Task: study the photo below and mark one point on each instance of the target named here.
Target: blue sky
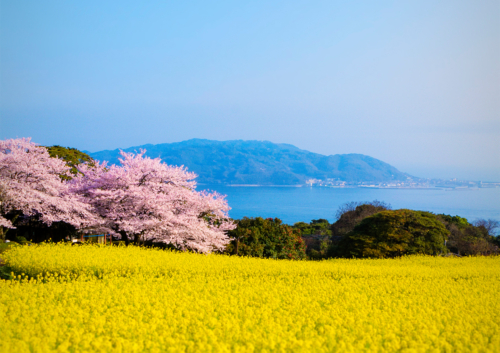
(413, 83)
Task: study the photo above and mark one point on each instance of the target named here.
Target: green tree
(268, 238)
(316, 236)
(316, 226)
(352, 213)
(71, 156)
(395, 233)
(477, 238)
(458, 221)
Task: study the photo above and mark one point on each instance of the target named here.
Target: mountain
(262, 162)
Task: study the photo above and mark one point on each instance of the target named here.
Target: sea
(303, 204)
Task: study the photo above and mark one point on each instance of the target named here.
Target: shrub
(470, 239)
(395, 233)
(352, 213)
(269, 238)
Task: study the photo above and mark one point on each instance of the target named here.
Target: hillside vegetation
(262, 162)
(374, 230)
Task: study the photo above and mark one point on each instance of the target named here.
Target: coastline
(446, 188)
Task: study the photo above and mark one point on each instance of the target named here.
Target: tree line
(57, 192)
(366, 230)
(374, 230)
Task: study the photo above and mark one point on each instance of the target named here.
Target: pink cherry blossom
(30, 182)
(145, 199)
(6, 223)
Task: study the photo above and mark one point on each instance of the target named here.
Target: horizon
(413, 84)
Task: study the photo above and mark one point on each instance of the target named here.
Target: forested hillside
(262, 162)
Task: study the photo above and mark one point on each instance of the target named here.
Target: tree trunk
(124, 236)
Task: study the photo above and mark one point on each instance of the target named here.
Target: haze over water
(296, 204)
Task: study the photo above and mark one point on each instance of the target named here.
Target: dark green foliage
(5, 272)
(269, 238)
(316, 227)
(496, 240)
(71, 156)
(317, 248)
(352, 213)
(22, 240)
(394, 233)
(465, 238)
(316, 236)
(321, 237)
(458, 221)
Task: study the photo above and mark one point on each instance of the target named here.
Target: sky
(413, 83)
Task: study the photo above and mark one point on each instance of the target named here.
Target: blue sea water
(295, 204)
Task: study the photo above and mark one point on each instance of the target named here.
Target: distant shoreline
(256, 185)
(355, 187)
(274, 186)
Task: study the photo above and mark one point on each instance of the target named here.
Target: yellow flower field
(97, 298)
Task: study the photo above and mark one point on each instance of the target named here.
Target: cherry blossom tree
(31, 184)
(145, 199)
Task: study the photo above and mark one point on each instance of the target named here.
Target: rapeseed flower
(130, 299)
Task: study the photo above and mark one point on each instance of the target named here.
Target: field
(97, 298)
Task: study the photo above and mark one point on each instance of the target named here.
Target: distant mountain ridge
(262, 163)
